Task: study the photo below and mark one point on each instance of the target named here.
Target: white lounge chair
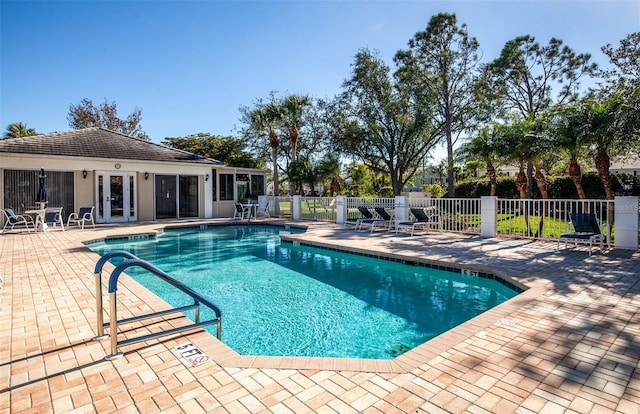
(385, 219)
(423, 221)
(84, 215)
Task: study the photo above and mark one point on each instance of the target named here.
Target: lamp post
(627, 186)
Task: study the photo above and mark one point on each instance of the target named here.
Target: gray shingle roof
(99, 143)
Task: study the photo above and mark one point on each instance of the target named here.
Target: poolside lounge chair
(586, 228)
(385, 219)
(13, 219)
(84, 215)
(241, 212)
(373, 221)
(53, 216)
(366, 214)
(422, 221)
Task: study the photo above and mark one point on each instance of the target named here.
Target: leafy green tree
(299, 172)
(529, 78)
(228, 150)
(442, 61)
(625, 60)
(436, 190)
(360, 179)
(18, 129)
(105, 115)
(386, 124)
(329, 169)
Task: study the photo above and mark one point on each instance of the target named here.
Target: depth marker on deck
(191, 354)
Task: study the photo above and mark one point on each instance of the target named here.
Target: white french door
(116, 197)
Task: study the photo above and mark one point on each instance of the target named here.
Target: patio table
(253, 209)
(38, 219)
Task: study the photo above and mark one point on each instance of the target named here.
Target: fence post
(488, 216)
(626, 223)
(401, 208)
(341, 209)
(296, 203)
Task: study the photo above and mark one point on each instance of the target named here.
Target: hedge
(559, 187)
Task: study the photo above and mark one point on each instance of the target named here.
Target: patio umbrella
(247, 195)
(42, 188)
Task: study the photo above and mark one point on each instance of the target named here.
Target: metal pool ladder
(131, 260)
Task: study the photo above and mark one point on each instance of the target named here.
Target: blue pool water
(286, 300)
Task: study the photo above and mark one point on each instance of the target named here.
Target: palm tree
(566, 126)
(602, 133)
(298, 173)
(265, 118)
(329, 169)
(292, 110)
(517, 145)
(18, 129)
(482, 147)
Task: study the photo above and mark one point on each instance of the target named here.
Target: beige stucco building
(125, 178)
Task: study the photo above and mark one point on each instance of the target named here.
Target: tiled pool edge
(228, 358)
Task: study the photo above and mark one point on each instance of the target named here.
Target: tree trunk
(541, 181)
(575, 173)
(396, 180)
(491, 173)
(276, 181)
(602, 165)
(273, 142)
(295, 137)
(521, 185)
(450, 178)
(529, 179)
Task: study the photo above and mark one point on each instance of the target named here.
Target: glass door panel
(116, 197)
(188, 201)
(166, 196)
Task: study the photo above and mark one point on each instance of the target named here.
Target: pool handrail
(113, 288)
(97, 272)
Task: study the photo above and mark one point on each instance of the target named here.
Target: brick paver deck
(570, 343)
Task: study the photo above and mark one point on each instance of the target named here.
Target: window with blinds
(21, 190)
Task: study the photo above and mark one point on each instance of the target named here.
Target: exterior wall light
(84, 174)
(146, 175)
(627, 186)
(206, 177)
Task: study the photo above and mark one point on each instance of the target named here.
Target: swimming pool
(279, 299)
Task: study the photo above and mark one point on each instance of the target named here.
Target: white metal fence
(371, 203)
(534, 219)
(281, 207)
(318, 208)
(459, 215)
(546, 219)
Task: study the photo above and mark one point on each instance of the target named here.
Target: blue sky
(189, 65)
